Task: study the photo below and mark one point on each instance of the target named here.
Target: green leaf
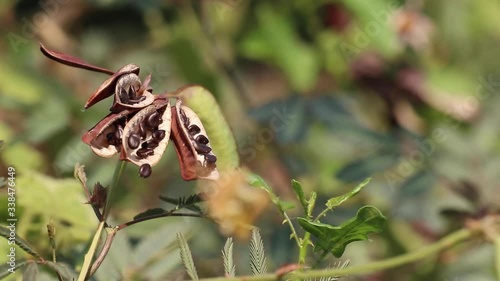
(336, 201)
(276, 40)
(297, 188)
(62, 270)
(31, 272)
(187, 203)
(334, 239)
(187, 258)
(6, 233)
(149, 212)
(6, 269)
(257, 181)
(258, 261)
(227, 257)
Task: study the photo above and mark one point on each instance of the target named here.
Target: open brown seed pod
(146, 135)
(105, 138)
(108, 87)
(131, 93)
(192, 145)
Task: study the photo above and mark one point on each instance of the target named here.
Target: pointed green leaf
(6, 269)
(258, 261)
(149, 212)
(31, 272)
(336, 201)
(334, 239)
(257, 181)
(6, 233)
(297, 188)
(227, 257)
(63, 270)
(187, 258)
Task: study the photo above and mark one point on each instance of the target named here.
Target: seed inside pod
(159, 135)
(194, 130)
(134, 140)
(210, 158)
(145, 170)
(202, 139)
(154, 120)
(146, 134)
(105, 138)
(202, 148)
(192, 145)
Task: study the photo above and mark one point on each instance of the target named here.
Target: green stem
(496, 241)
(446, 242)
(303, 248)
(87, 262)
(109, 197)
(292, 228)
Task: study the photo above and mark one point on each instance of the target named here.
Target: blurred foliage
(328, 92)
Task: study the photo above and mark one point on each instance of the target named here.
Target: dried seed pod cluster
(140, 124)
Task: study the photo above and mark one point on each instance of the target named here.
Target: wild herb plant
(138, 130)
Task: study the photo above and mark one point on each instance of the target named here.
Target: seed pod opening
(146, 135)
(192, 145)
(105, 138)
(131, 93)
(107, 88)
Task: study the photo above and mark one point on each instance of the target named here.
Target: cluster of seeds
(199, 140)
(139, 125)
(115, 137)
(130, 96)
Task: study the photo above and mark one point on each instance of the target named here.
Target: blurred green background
(325, 92)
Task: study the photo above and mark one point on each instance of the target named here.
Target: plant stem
(97, 236)
(303, 248)
(109, 197)
(292, 228)
(446, 242)
(90, 254)
(167, 214)
(496, 241)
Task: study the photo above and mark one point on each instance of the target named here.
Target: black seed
(159, 134)
(118, 135)
(154, 119)
(145, 170)
(124, 96)
(210, 158)
(131, 93)
(184, 118)
(142, 153)
(152, 143)
(202, 139)
(134, 140)
(142, 130)
(202, 148)
(110, 137)
(194, 130)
